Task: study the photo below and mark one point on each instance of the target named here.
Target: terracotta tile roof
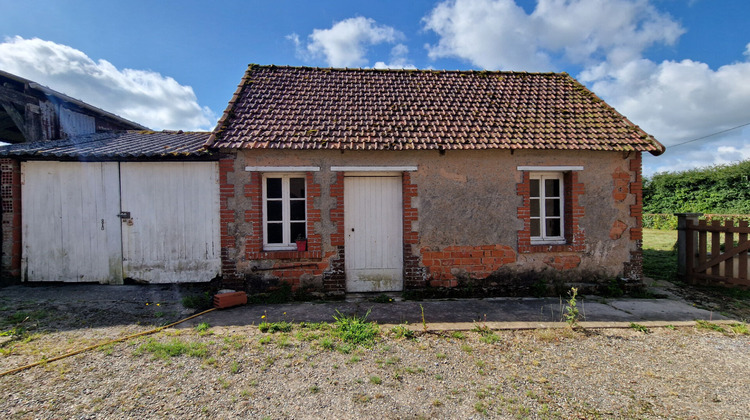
(117, 145)
(355, 109)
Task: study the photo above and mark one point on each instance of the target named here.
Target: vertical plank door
(172, 234)
(374, 229)
(70, 229)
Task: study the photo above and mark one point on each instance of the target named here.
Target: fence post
(682, 250)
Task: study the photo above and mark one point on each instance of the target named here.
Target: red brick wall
(414, 275)
(636, 189)
(10, 191)
(574, 211)
(634, 268)
(478, 261)
(226, 222)
(335, 279)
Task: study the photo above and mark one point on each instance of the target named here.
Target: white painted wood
(74, 123)
(70, 231)
(373, 224)
(282, 168)
(550, 168)
(373, 168)
(173, 233)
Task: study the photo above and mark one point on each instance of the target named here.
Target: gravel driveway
(309, 372)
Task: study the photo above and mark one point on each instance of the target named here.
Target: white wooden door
(172, 234)
(70, 230)
(374, 225)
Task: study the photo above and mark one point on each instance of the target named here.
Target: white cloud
(498, 34)
(398, 59)
(345, 43)
(727, 149)
(678, 101)
(143, 96)
(675, 101)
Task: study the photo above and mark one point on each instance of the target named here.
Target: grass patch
(705, 325)
(272, 327)
(740, 328)
(202, 328)
(355, 330)
(173, 348)
(660, 254)
(640, 328)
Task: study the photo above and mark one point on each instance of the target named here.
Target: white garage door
(71, 231)
(173, 230)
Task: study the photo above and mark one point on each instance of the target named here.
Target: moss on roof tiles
(379, 106)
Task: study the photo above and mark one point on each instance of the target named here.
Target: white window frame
(289, 243)
(543, 238)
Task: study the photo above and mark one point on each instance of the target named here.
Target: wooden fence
(713, 252)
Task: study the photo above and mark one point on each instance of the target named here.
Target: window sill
(548, 242)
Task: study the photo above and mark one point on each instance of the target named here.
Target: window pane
(534, 188)
(535, 227)
(551, 187)
(273, 187)
(553, 227)
(298, 230)
(552, 207)
(297, 187)
(275, 233)
(273, 210)
(297, 208)
(534, 208)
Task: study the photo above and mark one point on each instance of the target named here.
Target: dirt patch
(732, 303)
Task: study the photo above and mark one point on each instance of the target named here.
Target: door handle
(124, 215)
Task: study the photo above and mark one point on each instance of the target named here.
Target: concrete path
(438, 314)
(521, 312)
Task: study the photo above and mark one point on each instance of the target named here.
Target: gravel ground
(309, 373)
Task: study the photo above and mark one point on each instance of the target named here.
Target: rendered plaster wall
(466, 201)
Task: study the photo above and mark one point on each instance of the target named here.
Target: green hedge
(720, 189)
(668, 221)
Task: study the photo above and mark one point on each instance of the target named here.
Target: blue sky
(678, 68)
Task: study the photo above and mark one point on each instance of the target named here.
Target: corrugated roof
(356, 109)
(116, 145)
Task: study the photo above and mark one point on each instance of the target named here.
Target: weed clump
(355, 330)
(272, 327)
(572, 314)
